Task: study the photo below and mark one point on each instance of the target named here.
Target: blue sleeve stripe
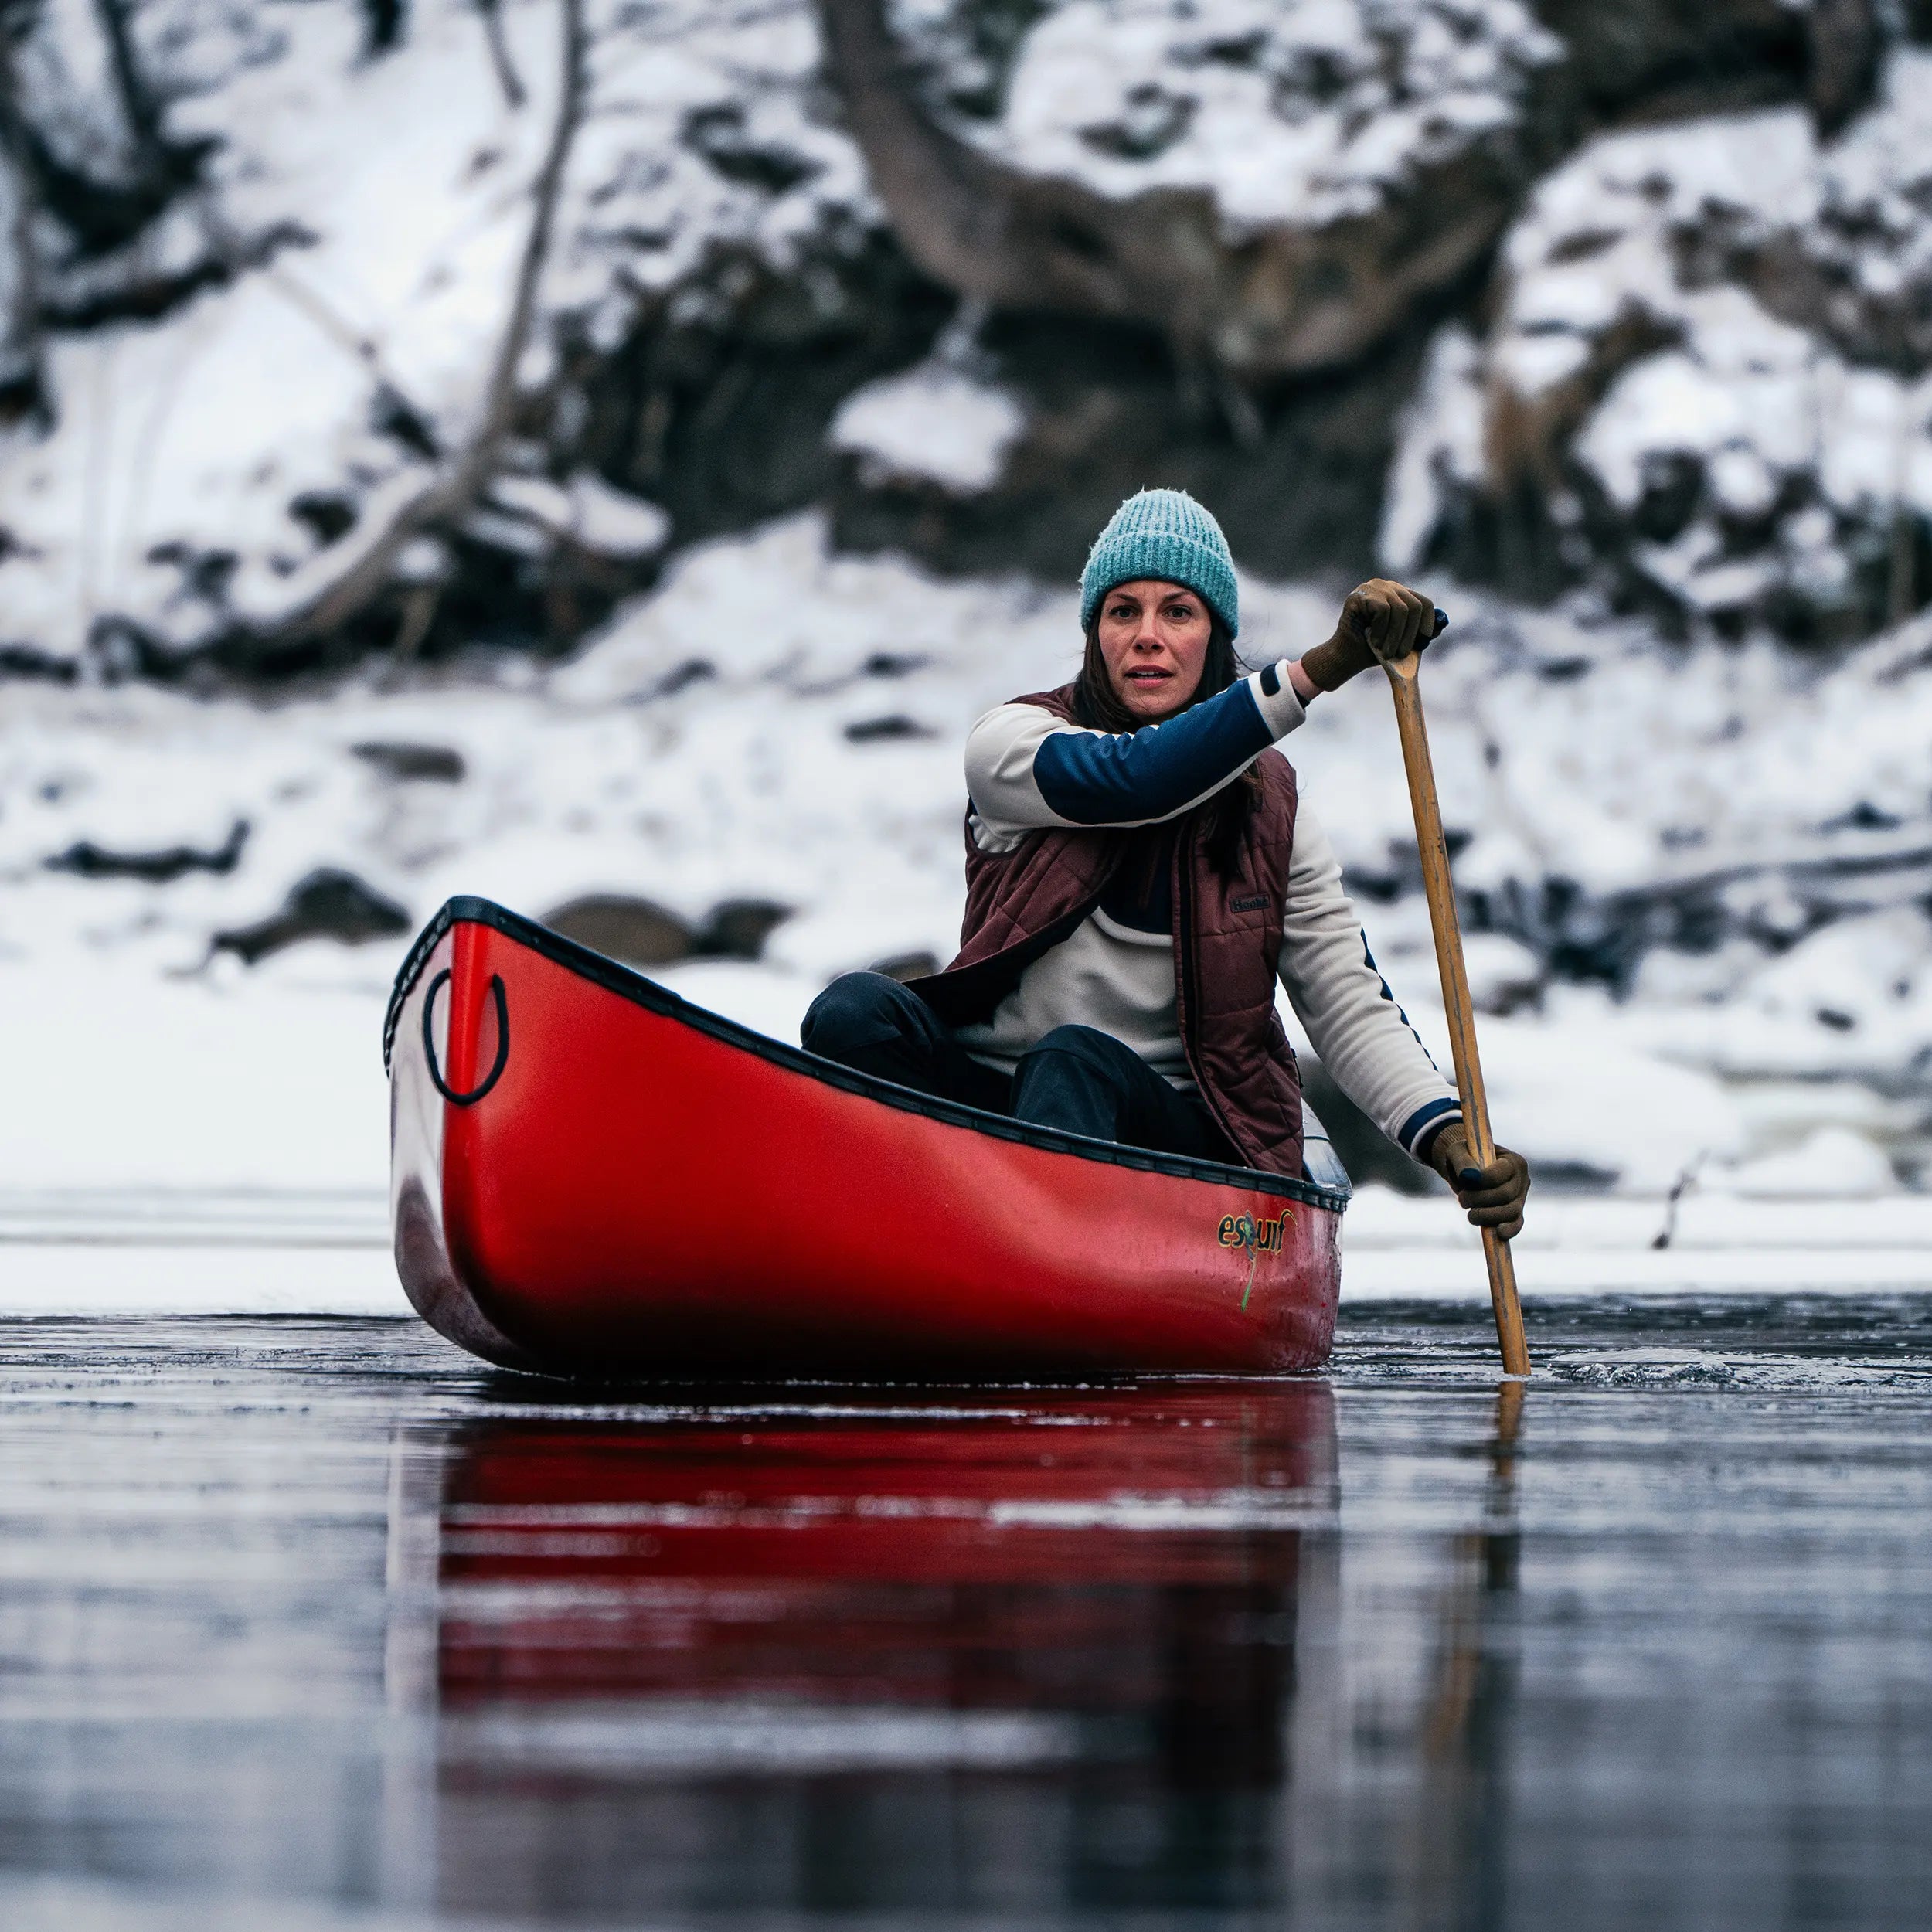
(1090, 779)
(1419, 1130)
(1388, 993)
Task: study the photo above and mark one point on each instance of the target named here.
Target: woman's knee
(856, 1010)
(1086, 1044)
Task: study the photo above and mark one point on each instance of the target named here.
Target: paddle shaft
(1455, 991)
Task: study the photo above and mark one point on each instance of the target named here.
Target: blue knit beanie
(1163, 534)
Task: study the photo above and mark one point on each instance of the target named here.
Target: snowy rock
(1859, 991)
(1833, 1161)
(612, 523)
(1302, 116)
(586, 512)
(933, 424)
(408, 760)
(1504, 975)
(1586, 1110)
(1273, 189)
(1439, 452)
(1708, 384)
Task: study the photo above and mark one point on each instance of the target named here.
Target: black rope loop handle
(502, 1042)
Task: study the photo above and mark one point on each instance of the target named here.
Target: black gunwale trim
(641, 992)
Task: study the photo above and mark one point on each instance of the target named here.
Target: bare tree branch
(507, 77)
(139, 109)
(463, 479)
(975, 226)
(21, 369)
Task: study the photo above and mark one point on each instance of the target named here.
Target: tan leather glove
(1381, 621)
(1494, 1194)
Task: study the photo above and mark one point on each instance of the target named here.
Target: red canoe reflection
(1127, 1554)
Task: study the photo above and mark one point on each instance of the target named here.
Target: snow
(699, 747)
(189, 438)
(151, 1063)
(1834, 1163)
(1303, 115)
(1440, 440)
(589, 513)
(1402, 1247)
(1725, 291)
(114, 1251)
(383, 205)
(931, 424)
(612, 523)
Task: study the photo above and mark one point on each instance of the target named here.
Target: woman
(1140, 867)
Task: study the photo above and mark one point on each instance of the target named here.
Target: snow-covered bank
(90, 1251)
(1398, 1248)
(1697, 368)
(347, 260)
(781, 723)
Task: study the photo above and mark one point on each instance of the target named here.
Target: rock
(1101, 192)
(404, 760)
(682, 677)
(87, 860)
(930, 425)
(328, 903)
(893, 663)
(905, 966)
(642, 933)
(1679, 60)
(1504, 976)
(1109, 412)
(1845, 43)
(895, 726)
(1706, 391)
(637, 931)
(738, 928)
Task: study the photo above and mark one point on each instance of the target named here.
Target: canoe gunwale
(642, 991)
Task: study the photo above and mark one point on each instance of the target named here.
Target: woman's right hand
(1382, 621)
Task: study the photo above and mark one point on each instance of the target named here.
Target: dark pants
(1077, 1079)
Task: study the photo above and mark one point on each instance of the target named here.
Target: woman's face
(1154, 641)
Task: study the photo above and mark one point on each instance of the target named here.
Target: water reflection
(1460, 1823)
(304, 1621)
(1027, 1655)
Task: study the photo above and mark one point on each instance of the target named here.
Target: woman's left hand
(1492, 1195)
(1381, 621)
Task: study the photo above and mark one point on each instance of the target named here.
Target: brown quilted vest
(1227, 940)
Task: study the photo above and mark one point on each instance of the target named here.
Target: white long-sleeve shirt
(1025, 770)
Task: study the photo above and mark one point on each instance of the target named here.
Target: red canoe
(590, 1176)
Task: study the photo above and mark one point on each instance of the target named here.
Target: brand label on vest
(1254, 902)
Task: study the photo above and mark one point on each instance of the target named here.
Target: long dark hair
(1223, 818)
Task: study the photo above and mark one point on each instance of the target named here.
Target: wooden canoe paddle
(1402, 673)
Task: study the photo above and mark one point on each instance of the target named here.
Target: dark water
(317, 1623)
